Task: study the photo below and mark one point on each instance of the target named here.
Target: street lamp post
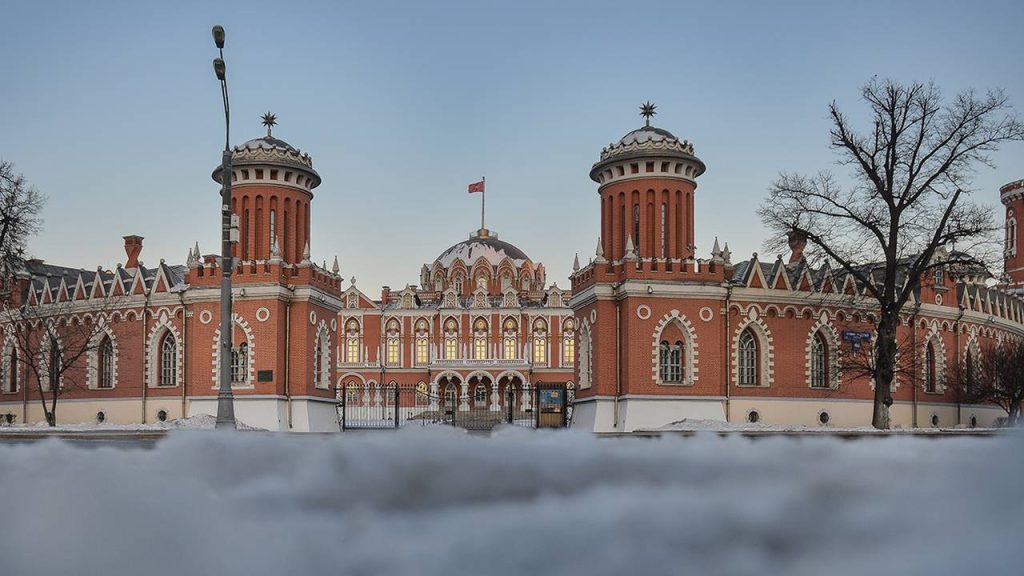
(225, 398)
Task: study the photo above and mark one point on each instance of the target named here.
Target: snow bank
(696, 425)
(436, 501)
(197, 422)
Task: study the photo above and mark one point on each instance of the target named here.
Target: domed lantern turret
(647, 182)
(271, 192)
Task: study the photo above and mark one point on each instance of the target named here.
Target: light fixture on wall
(650, 290)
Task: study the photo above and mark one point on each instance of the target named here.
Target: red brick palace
(649, 334)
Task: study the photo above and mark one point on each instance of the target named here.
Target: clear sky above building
(112, 110)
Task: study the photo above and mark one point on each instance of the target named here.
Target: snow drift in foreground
(434, 501)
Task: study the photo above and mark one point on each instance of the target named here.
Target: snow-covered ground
(695, 425)
(197, 422)
(426, 501)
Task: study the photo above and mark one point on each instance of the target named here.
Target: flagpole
(483, 196)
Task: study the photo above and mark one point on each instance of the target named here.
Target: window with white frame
(540, 341)
(568, 342)
(105, 354)
(352, 341)
(422, 342)
(670, 365)
(393, 342)
(820, 377)
(168, 375)
(585, 357)
(240, 364)
(509, 339)
(480, 339)
(451, 339)
(11, 377)
(931, 369)
(747, 361)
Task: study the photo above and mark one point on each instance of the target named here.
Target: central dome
(482, 244)
(646, 134)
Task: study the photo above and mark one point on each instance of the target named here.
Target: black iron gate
(375, 407)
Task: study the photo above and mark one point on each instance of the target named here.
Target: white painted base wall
(646, 413)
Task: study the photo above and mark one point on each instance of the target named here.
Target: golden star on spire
(647, 110)
(269, 120)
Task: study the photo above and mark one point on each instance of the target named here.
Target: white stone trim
(835, 351)
(691, 351)
(250, 357)
(934, 336)
(93, 357)
(766, 352)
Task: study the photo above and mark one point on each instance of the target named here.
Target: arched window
(422, 342)
(568, 343)
(636, 227)
(457, 283)
(585, 355)
(481, 282)
(819, 361)
(540, 341)
(509, 341)
(664, 230)
(449, 394)
(747, 359)
(322, 360)
(53, 365)
(106, 363)
(393, 342)
(451, 339)
(273, 228)
(930, 369)
(524, 283)
(168, 361)
(12, 371)
(480, 395)
(480, 339)
(670, 365)
(352, 339)
(1011, 234)
(240, 364)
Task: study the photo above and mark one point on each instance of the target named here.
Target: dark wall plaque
(265, 376)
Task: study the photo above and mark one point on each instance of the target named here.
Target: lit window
(393, 344)
(451, 340)
(422, 343)
(568, 343)
(352, 341)
(540, 341)
(480, 339)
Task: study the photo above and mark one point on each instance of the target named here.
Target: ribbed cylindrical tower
(647, 181)
(271, 192)
(1012, 196)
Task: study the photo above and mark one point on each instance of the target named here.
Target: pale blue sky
(112, 110)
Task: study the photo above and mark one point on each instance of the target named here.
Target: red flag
(476, 187)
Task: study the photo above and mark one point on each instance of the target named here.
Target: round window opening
(935, 419)
(162, 415)
(974, 421)
(101, 417)
(824, 418)
(753, 417)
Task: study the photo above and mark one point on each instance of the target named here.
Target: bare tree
(52, 343)
(20, 205)
(906, 208)
(997, 376)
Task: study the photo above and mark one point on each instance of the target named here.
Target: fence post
(344, 394)
(397, 403)
(536, 406)
(565, 405)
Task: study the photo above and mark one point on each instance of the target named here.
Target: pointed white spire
(715, 250)
(630, 249)
(726, 254)
(600, 250)
(335, 268)
(191, 258)
(576, 263)
(305, 253)
(275, 250)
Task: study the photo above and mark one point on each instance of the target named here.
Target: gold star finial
(269, 120)
(647, 110)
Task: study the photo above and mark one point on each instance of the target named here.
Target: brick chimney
(797, 243)
(385, 294)
(132, 247)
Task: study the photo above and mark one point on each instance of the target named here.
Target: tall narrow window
(106, 363)
(819, 361)
(636, 227)
(451, 339)
(12, 372)
(480, 339)
(670, 369)
(393, 343)
(168, 361)
(568, 343)
(352, 341)
(54, 365)
(540, 341)
(971, 369)
(245, 234)
(422, 342)
(509, 341)
(664, 230)
(585, 355)
(273, 227)
(748, 359)
(240, 364)
(322, 360)
(930, 369)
